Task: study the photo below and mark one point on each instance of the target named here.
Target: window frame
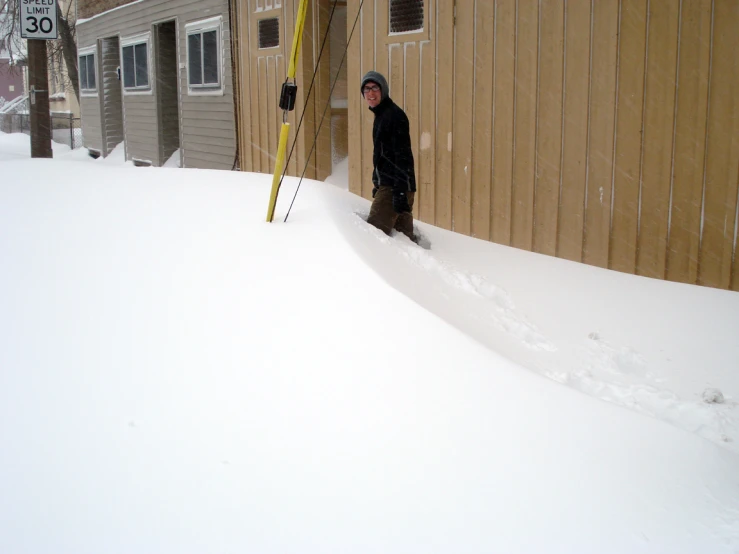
(134, 41)
(408, 36)
(198, 28)
(84, 53)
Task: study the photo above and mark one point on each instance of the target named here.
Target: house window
(269, 32)
(406, 16)
(203, 47)
(87, 72)
(135, 57)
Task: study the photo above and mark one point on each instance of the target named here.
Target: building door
(167, 87)
(111, 98)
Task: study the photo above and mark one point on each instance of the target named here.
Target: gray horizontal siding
(209, 160)
(215, 133)
(91, 129)
(140, 127)
(212, 147)
(207, 125)
(200, 115)
(134, 19)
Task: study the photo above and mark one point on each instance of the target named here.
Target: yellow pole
(297, 38)
(282, 145)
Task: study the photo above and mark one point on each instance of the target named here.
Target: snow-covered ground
(177, 375)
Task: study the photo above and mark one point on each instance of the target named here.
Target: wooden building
(156, 75)
(264, 41)
(600, 131)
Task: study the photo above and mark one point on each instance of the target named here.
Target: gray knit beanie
(376, 77)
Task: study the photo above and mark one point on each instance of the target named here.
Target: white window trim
(86, 51)
(213, 23)
(144, 38)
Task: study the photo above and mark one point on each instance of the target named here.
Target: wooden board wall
(261, 75)
(600, 131)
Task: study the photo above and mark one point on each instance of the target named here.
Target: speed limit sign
(38, 19)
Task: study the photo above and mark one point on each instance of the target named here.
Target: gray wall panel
(199, 115)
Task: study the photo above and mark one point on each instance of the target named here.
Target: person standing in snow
(394, 176)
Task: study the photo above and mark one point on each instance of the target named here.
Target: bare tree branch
(69, 52)
(10, 32)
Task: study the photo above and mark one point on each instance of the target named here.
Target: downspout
(234, 26)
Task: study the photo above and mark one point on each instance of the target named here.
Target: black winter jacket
(393, 157)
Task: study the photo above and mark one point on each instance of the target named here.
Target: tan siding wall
(260, 79)
(574, 126)
(549, 136)
(504, 76)
(602, 119)
(599, 132)
(199, 115)
(605, 132)
(718, 246)
(262, 73)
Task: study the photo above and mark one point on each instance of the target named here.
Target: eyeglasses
(373, 88)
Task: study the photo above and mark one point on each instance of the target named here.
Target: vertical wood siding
(604, 18)
(504, 76)
(575, 110)
(694, 56)
(717, 253)
(599, 131)
(549, 135)
(262, 73)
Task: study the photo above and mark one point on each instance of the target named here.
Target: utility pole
(38, 21)
(38, 86)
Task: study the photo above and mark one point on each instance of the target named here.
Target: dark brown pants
(384, 217)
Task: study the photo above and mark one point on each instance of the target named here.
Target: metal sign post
(39, 24)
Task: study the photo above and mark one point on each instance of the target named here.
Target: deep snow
(177, 375)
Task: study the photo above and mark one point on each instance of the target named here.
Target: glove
(374, 191)
(400, 202)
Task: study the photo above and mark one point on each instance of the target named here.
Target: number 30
(45, 24)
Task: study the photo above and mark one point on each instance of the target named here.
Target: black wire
(336, 80)
(307, 96)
